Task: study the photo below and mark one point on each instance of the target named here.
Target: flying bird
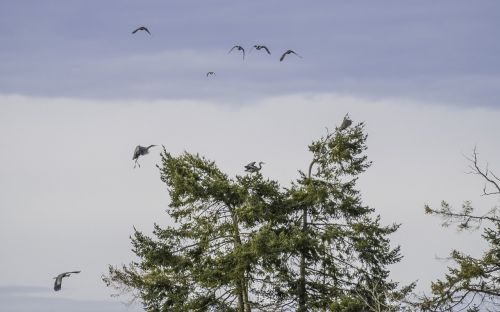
(345, 123)
(260, 47)
(288, 52)
(58, 279)
(239, 48)
(251, 167)
(140, 151)
(143, 29)
(210, 73)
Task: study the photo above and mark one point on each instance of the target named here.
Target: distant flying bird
(345, 123)
(288, 52)
(143, 29)
(140, 151)
(251, 167)
(260, 47)
(240, 48)
(58, 278)
(210, 73)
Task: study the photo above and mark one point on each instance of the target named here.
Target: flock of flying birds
(144, 150)
(237, 47)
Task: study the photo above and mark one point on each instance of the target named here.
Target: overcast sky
(78, 92)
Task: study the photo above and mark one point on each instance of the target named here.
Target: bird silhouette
(239, 48)
(288, 52)
(345, 123)
(251, 167)
(210, 73)
(143, 29)
(260, 47)
(140, 151)
(58, 279)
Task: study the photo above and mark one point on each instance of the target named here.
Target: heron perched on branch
(345, 123)
(286, 53)
(58, 279)
(239, 48)
(260, 47)
(143, 29)
(140, 151)
(251, 167)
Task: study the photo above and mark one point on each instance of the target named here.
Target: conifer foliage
(246, 244)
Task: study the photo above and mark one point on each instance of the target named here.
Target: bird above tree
(140, 151)
(239, 48)
(260, 47)
(142, 28)
(345, 123)
(58, 279)
(251, 167)
(286, 53)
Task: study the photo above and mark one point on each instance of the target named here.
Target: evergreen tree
(473, 284)
(246, 244)
(336, 254)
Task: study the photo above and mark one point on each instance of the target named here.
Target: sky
(78, 92)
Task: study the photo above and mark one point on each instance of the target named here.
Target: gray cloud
(442, 51)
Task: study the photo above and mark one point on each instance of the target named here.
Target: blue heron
(239, 48)
(345, 123)
(286, 53)
(143, 29)
(251, 167)
(140, 151)
(58, 279)
(260, 47)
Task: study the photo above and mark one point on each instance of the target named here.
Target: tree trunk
(241, 288)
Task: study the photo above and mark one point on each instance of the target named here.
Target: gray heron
(140, 151)
(58, 279)
(260, 47)
(288, 52)
(345, 123)
(239, 48)
(251, 167)
(143, 29)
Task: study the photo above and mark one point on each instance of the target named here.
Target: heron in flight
(58, 278)
(239, 48)
(210, 73)
(260, 47)
(140, 151)
(143, 29)
(345, 123)
(251, 167)
(288, 52)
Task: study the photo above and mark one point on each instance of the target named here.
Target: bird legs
(137, 163)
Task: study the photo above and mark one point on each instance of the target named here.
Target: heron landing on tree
(251, 167)
(345, 123)
(58, 279)
(140, 151)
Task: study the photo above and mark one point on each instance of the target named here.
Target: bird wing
(242, 50)
(283, 56)
(232, 49)
(58, 282)
(74, 272)
(267, 50)
(295, 53)
(250, 165)
(147, 30)
(137, 152)
(136, 30)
